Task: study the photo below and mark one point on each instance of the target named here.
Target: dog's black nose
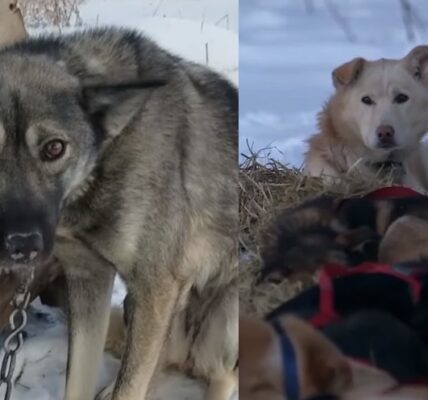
(24, 247)
(385, 135)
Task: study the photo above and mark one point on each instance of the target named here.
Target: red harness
(327, 313)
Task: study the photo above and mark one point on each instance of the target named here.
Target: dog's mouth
(18, 272)
(21, 268)
(388, 146)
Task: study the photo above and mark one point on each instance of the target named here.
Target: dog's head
(54, 125)
(384, 102)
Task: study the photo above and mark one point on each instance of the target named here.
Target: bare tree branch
(411, 20)
(340, 19)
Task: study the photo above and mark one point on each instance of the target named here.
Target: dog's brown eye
(53, 150)
(401, 98)
(367, 100)
(11, 6)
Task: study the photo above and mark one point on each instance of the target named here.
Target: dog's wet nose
(24, 247)
(385, 135)
(385, 132)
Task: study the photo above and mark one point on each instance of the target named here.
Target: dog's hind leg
(215, 347)
(89, 286)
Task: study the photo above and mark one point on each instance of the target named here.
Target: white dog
(377, 116)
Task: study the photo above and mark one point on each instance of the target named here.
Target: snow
(287, 55)
(187, 28)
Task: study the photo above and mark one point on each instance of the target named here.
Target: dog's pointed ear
(112, 106)
(417, 63)
(348, 73)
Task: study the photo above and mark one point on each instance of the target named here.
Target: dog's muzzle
(24, 247)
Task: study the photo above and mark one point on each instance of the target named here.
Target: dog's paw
(106, 393)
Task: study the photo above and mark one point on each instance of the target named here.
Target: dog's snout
(24, 247)
(385, 132)
(385, 135)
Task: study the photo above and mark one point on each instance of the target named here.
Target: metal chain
(15, 339)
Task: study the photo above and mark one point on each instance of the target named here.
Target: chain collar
(15, 338)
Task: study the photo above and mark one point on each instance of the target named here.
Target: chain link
(15, 338)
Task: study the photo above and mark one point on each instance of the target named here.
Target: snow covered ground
(186, 27)
(288, 49)
(204, 31)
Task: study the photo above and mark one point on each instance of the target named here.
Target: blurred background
(288, 49)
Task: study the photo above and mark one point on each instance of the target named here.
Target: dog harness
(327, 314)
(404, 282)
(291, 384)
(291, 373)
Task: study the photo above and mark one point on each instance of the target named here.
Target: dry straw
(266, 187)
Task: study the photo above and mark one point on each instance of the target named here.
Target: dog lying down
(328, 230)
(292, 361)
(375, 121)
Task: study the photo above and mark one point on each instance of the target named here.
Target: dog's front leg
(151, 307)
(89, 286)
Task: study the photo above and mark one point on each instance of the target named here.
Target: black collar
(387, 164)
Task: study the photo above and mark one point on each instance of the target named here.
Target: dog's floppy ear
(348, 73)
(260, 362)
(417, 63)
(322, 367)
(112, 106)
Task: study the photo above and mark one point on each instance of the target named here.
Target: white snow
(287, 54)
(187, 28)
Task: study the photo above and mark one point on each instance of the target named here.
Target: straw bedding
(266, 188)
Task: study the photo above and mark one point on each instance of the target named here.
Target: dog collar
(289, 360)
(387, 164)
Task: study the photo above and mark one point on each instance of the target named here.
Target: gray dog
(117, 156)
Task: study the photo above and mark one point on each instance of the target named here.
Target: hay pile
(266, 189)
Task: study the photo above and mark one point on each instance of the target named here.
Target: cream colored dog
(377, 115)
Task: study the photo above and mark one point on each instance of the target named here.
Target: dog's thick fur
(348, 137)
(146, 187)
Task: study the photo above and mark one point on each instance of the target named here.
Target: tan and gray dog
(119, 157)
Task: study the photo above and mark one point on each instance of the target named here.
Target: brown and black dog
(348, 232)
(323, 371)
